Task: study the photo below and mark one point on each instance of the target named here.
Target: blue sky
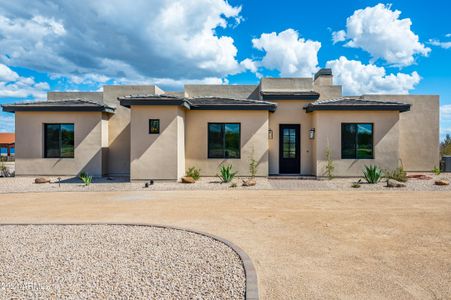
(401, 47)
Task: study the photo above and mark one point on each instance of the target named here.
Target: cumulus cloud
(444, 45)
(6, 122)
(149, 39)
(380, 31)
(445, 112)
(358, 78)
(14, 86)
(288, 53)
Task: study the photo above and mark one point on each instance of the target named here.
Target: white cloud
(288, 53)
(14, 86)
(445, 112)
(6, 74)
(151, 38)
(444, 45)
(6, 122)
(338, 36)
(358, 78)
(379, 31)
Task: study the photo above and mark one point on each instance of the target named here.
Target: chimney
(323, 77)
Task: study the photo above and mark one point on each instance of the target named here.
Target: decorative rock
(40, 180)
(188, 179)
(442, 182)
(420, 177)
(393, 183)
(249, 182)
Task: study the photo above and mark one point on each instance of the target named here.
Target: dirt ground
(304, 244)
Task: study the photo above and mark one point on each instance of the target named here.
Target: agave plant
(226, 173)
(372, 174)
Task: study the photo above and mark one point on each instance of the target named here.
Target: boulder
(420, 177)
(395, 184)
(40, 180)
(249, 182)
(442, 182)
(188, 179)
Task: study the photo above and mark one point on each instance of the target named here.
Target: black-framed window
(224, 140)
(154, 126)
(59, 140)
(357, 141)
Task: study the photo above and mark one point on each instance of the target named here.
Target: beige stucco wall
(156, 156)
(254, 137)
(30, 144)
(119, 126)
(419, 133)
(291, 112)
(328, 132)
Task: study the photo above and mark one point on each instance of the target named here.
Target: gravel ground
(26, 184)
(129, 262)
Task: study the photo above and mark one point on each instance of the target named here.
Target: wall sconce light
(270, 135)
(311, 133)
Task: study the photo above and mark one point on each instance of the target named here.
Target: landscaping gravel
(115, 261)
(69, 184)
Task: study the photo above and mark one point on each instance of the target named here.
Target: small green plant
(373, 174)
(330, 164)
(397, 174)
(87, 180)
(355, 185)
(193, 172)
(253, 165)
(436, 170)
(226, 173)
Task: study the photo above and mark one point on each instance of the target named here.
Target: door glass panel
(289, 143)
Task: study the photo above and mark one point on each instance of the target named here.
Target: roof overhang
(376, 107)
(63, 108)
(289, 95)
(129, 101)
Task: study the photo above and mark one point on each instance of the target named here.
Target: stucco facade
(112, 129)
(88, 138)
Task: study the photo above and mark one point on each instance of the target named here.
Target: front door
(289, 149)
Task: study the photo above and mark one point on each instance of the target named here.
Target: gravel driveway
(130, 262)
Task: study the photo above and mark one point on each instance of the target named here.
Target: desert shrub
(397, 174)
(193, 172)
(87, 180)
(226, 173)
(253, 167)
(4, 172)
(372, 174)
(330, 164)
(436, 170)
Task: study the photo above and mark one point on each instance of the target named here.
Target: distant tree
(445, 146)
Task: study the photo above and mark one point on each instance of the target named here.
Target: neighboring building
(286, 124)
(7, 145)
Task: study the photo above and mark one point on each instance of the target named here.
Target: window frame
(159, 125)
(208, 139)
(60, 141)
(356, 139)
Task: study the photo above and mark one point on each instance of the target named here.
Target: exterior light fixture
(270, 135)
(311, 133)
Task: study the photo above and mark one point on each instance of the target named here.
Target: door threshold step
(294, 177)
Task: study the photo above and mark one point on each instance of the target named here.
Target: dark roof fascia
(271, 108)
(150, 101)
(373, 107)
(289, 95)
(63, 108)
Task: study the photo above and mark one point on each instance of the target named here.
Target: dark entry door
(289, 149)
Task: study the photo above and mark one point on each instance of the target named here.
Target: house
(286, 124)
(7, 145)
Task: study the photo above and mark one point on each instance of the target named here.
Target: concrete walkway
(316, 245)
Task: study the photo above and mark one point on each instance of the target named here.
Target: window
(224, 140)
(154, 126)
(357, 141)
(58, 140)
